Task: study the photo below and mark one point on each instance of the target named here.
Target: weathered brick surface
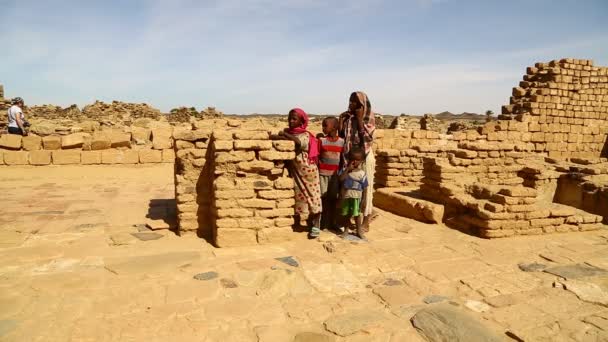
(16, 157)
(10, 141)
(40, 157)
(237, 185)
(66, 157)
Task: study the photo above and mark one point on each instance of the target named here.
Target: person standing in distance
(16, 119)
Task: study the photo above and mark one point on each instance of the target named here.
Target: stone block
(286, 203)
(223, 145)
(256, 203)
(51, 142)
(100, 141)
(253, 183)
(168, 156)
(16, 157)
(235, 237)
(276, 235)
(234, 156)
(251, 135)
(255, 166)
(182, 144)
(150, 156)
(235, 194)
(397, 201)
(191, 135)
(284, 145)
(140, 134)
(275, 155)
(40, 157)
(276, 194)
(74, 140)
(66, 157)
(118, 139)
(10, 141)
(90, 157)
(162, 138)
(32, 143)
(252, 144)
(284, 183)
(255, 223)
(119, 157)
(234, 212)
(222, 135)
(271, 213)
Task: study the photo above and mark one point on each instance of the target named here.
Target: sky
(263, 56)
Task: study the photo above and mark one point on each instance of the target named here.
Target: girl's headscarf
(313, 144)
(349, 126)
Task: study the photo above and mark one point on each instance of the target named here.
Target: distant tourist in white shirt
(16, 119)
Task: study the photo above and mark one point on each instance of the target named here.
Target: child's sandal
(314, 233)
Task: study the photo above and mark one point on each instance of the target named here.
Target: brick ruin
(540, 168)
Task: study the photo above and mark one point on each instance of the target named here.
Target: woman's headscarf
(349, 123)
(313, 144)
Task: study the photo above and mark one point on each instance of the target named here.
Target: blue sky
(410, 56)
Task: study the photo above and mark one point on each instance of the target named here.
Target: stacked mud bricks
(496, 181)
(96, 147)
(563, 105)
(234, 188)
(481, 186)
(400, 155)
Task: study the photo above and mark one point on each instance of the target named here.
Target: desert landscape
(122, 223)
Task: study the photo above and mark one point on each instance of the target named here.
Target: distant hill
(463, 116)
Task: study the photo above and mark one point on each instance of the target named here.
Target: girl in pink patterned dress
(304, 169)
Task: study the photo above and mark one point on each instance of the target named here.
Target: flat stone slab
(587, 291)
(576, 271)
(348, 324)
(157, 224)
(206, 275)
(122, 239)
(147, 236)
(313, 337)
(532, 267)
(150, 263)
(444, 322)
(432, 299)
(289, 260)
(405, 202)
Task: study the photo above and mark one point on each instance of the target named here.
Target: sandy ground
(76, 264)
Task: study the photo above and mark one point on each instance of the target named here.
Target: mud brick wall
(193, 180)
(400, 153)
(232, 186)
(135, 146)
(562, 109)
(484, 192)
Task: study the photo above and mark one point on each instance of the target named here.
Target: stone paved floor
(70, 270)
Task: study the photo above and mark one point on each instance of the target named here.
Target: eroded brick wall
(233, 188)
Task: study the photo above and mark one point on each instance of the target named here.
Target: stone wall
(400, 153)
(560, 109)
(232, 186)
(502, 179)
(135, 146)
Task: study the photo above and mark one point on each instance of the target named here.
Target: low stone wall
(232, 186)
(100, 147)
(400, 154)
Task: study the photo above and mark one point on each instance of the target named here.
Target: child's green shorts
(350, 207)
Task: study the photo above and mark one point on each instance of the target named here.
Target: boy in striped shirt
(331, 146)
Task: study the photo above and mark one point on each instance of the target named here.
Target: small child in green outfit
(354, 182)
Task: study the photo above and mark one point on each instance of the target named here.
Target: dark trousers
(15, 130)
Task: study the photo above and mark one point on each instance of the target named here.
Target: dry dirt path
(72, 270)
